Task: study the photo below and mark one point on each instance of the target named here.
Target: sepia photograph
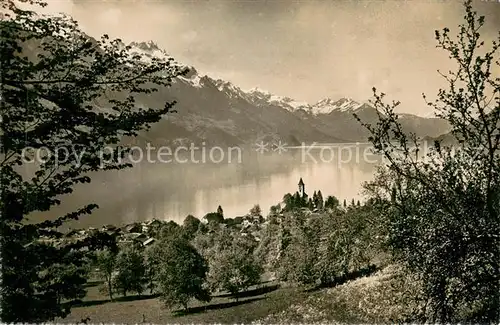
(250, 161)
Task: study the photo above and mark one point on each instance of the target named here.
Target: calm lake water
(171, 191)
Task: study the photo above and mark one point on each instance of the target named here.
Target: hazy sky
(305, 49)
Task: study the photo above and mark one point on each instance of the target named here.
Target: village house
(149, 241)
(153, 223)
(133, 228)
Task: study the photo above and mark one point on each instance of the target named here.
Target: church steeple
(302, 188)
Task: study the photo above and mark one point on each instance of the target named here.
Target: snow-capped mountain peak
(229, 88)
(255, 95)
(224, 85)
(260, 96)
(149, 46)
(328, 105)
(192, 77)
(259, 93)
(288, 102)
(148, 50)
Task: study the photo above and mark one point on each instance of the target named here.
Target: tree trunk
(110, 290)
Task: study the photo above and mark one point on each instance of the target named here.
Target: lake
(171, 191)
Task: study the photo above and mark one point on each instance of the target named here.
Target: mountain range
(218, 112)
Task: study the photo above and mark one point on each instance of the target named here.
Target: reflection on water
(172, 191)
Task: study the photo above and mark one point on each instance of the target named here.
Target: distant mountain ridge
(218, 112)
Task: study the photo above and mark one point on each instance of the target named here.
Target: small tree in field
(298, 256)
(181, 273)
(152, 255)
(130, 271)
(443, 206)
(65, 277)
(346, 245)
(105, 263)
(234, 267)
(75, 97)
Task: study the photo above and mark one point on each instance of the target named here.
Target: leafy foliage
(105, 263)
(274, 210)
(349, 243)
(59, 274)
(190, 226)
(130, 271)
(331, 202)
(256, 211)
(295, 201)
(60, 89)
(319, 248)
(233, 266)
(181, 273)
(317, 200)
(443, 206)
(169, 229)
(152, 258)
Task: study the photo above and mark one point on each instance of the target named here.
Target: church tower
(302, 188)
